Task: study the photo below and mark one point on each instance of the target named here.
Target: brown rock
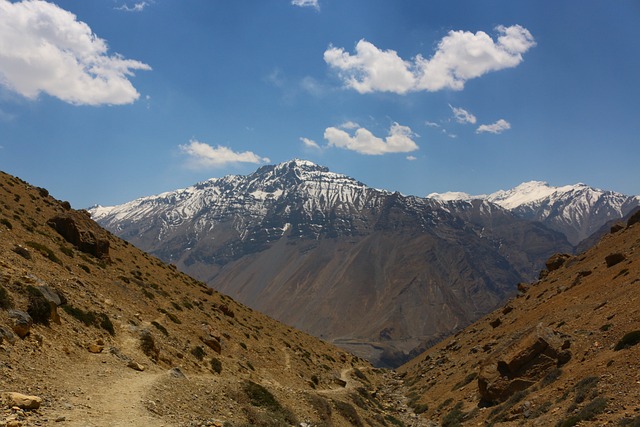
(614, 259)
(135, 366)
(95, 348)
(78, 229)
(522, 366)
(523, 287)
(22, 401)
(556, 261)
(634, 218)
(22, 322)
(616, 227)
(213, 343)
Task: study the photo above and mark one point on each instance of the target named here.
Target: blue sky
(108, 100)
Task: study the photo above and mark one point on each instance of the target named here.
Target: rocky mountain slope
(94, 332)
(577, 210)
(375, 272)
(564, 352)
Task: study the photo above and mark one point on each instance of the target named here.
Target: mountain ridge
(297, 232)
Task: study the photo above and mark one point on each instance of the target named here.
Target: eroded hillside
(106, 335)
(563, 352)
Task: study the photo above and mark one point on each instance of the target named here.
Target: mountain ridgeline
(378, 273)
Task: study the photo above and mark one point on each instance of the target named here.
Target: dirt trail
(105, 392)
(120, 402)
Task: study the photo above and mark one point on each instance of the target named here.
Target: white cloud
(460, 56)
(462, 116)
(44, 48)
(432, 124)
(310, 143)
(204, 156)
(138, 7)
(497, 127)
(349, 125)
(412, 158)
(363, 141)
(306, 3)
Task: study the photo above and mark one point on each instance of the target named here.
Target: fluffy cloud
(497, 127)
(363, 141)
(306, 3)
(204, 156)
(310, 143)
(462, 116)
(44, 48)
(460, 56)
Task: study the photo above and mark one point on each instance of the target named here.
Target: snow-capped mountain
(376, 272)
(577, 210)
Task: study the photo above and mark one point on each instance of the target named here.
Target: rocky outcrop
(78, 229)
(556, 261)
(523, 365)
(22, 401)
(55, 300)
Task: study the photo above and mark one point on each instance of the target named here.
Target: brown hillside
(121, 339)
(563, 352)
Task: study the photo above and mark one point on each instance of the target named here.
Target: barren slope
(564, 351)
(138, 343)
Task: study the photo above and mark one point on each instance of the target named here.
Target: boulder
(614, 259)
(77, 228)
(22, 401)
(634, 218)
(22, 322)
(212, 343)
(95, 348)
(556, 261)
(521, 366)
(135, 366)
(55, 300)
(176, 372)
(7, 334)
(616, 227)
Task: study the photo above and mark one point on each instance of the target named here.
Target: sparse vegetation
(261, 397)
(322, 408)
(161, 328)
(90, 318)
(39, 308)
(5, 299)
(628, 340)
(472, 376)
(45, 251)
(455, 417)
(630, 422)
(216, 365)
(198, 352)
(6, 223)
(584, 388)
(148, 345)
(348, 412)
(593, 408)
(551, 377)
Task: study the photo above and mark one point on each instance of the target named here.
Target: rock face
(78, 229)
(522, 366)
(377, 273)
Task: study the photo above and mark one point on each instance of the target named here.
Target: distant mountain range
(577, 210)
(378, 273)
